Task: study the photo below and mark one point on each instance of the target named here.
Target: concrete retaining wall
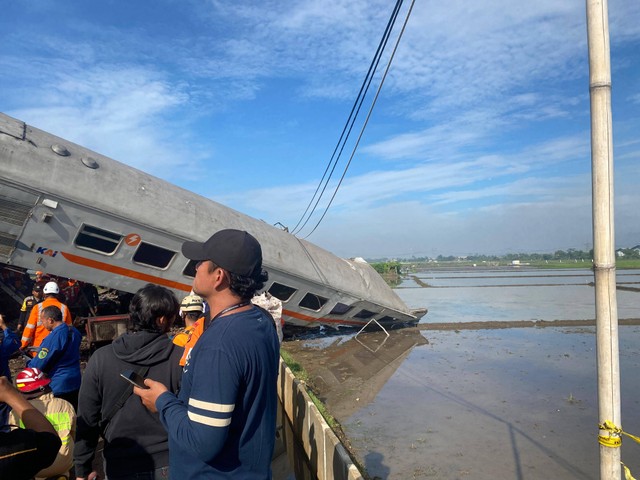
(306, 432)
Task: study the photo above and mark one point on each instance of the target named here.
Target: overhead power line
(355, 147)
(346, 131)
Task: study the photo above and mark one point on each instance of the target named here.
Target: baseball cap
(37, 287)
(192, 303)
(234, 250)
(31, 379)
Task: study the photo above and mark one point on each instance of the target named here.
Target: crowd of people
(206, 407)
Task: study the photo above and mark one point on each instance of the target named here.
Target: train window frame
(341, 309)
(82, 233)
(286, 288)
(365, 314)
(308, 298)
(387, 319)
(186, 268)
(156, 266)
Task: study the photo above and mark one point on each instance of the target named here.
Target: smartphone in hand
(134, 378)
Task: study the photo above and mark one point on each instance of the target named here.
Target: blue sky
(479, 142)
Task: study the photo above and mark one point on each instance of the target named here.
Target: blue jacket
(59, 358)
(222, 423)
(9, 344)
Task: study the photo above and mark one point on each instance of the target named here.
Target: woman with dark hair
(135, 442)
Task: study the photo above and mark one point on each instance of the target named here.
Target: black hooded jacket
(135, 440)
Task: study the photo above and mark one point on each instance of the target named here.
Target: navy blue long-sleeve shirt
(59, 358)
(222, 423)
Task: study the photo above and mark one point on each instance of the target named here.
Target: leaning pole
(603, 240)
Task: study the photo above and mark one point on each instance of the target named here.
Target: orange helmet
(31, 379)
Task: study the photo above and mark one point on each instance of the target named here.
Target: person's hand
(5, 388)
(151, 394)
(3, 326)
(8, 392)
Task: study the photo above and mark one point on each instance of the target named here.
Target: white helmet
(51, 287)
(192, 303)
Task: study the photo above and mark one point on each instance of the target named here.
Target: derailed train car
(72, 212)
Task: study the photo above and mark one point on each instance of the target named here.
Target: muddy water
(508, 295)
(515, 403)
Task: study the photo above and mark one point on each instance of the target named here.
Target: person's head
(50, 317)
(39, 275)
(50, 289)
(191, 307)
(228, 260)
(153, 309)
(32, 382)
(36, 291)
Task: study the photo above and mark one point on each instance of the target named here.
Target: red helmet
(31, 379)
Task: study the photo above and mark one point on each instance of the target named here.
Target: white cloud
(119, 112)
(438, 183)
(480, 138)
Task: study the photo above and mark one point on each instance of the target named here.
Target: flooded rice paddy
(510, 403)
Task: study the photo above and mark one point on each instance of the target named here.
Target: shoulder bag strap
(124, 396)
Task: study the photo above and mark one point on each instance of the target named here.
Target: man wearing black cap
(28, 304)
(222, 423)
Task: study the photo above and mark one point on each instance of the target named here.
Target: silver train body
(72, 212)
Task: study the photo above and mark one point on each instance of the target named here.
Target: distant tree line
(386, 268)
(630, 252)
(570, 254)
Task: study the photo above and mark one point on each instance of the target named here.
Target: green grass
(630, 263)
(621, 264)
(297, 370)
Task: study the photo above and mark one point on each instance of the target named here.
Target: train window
(364, 314)
(313, 302)
(190, 269)
(386, 319)
(340, 309)
(97, 239)
(281, 292)
(153, 255)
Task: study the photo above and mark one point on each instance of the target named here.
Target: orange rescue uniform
(34, 332)
(180, 339)
(194, 335)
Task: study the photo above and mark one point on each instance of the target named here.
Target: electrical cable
(353, 152)
(364, 88)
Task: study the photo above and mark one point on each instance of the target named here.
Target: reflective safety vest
(34, 332)
(62, 416)
(28, 304)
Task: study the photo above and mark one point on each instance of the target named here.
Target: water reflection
(477, 296)
(515, 403)
(347, 372)
(489, 404)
